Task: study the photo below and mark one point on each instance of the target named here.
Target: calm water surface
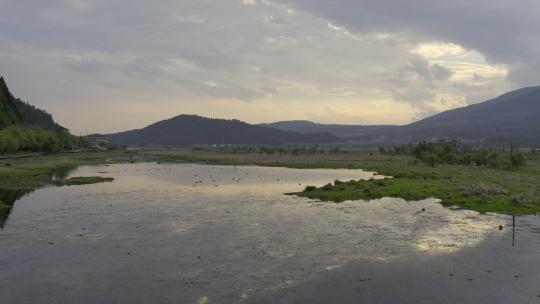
(180, 233)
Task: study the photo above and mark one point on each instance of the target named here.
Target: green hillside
(9, 115)
(24, 127)
(14, 111)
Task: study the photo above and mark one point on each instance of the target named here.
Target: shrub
(327, 187)
(483, 190)
(310, 188)
(379, 182)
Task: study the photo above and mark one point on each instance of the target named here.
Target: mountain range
(342, 131)
(193, 130)
(512, 118)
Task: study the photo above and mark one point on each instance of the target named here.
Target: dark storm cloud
(506, 31)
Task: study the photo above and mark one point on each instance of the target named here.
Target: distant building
(95, 140)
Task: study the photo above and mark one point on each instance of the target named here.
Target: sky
(107, 66)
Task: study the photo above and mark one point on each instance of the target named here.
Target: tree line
(456, 153)
(269, 150)
(33, 138)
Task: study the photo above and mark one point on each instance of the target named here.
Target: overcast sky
(112, 65)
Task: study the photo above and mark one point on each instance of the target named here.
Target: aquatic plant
(82, 180)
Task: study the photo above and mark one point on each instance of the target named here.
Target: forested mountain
(24, 127)
(344, 131)
(9, 114)
(34, 116)
(512, 118)
(14, 111)
(192, 130)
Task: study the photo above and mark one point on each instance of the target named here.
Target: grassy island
(82, 180)
(482, 180)
(38, 171)
(485, 195)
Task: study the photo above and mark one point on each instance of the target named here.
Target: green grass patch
(476, 196)
(39, 171)
(82, 180)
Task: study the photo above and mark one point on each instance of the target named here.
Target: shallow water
(208, 234)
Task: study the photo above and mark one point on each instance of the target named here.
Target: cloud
(248, 2)
(425, 71)
(357, 61)
(281, 40)
(504, 31)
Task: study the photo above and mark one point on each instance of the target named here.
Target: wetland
(167, 228)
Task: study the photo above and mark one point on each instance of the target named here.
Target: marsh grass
(38, 171)
(469, 187)
(82, 180)
(480, 188)
(477, 188)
